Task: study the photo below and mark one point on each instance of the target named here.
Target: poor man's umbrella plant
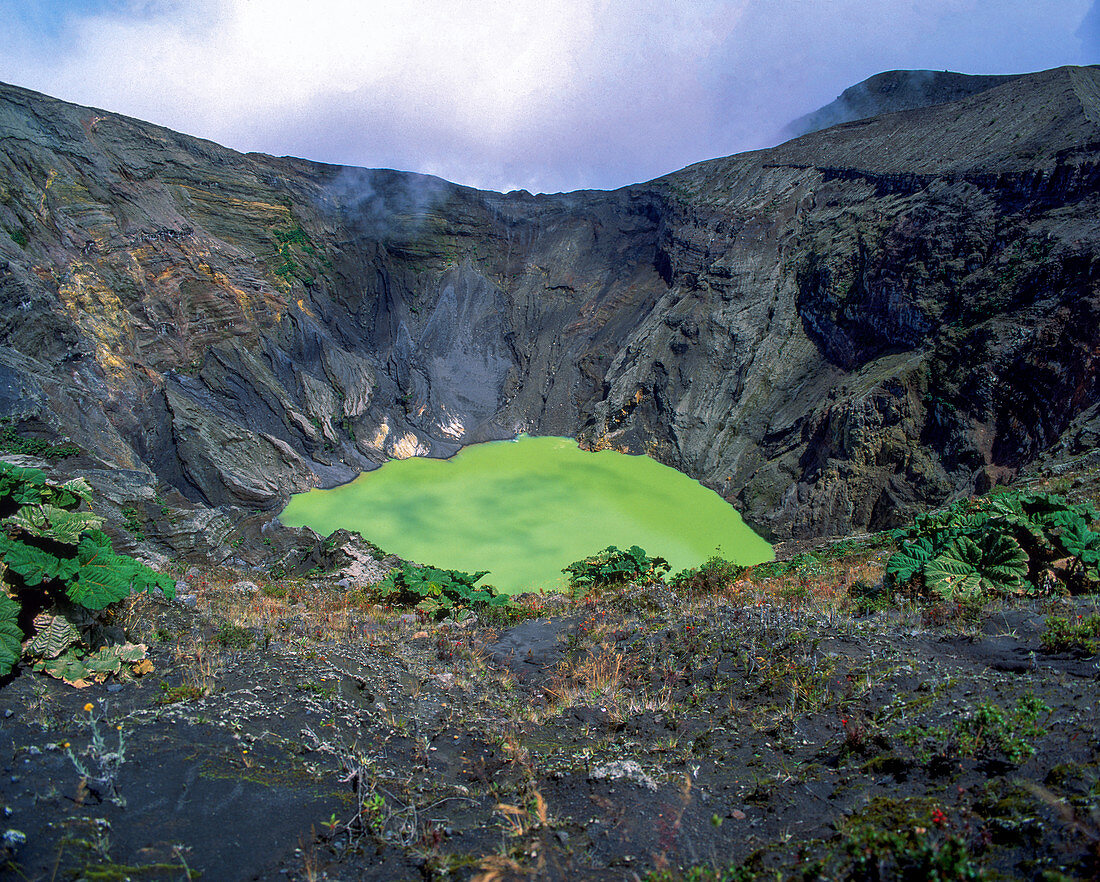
(60, 572)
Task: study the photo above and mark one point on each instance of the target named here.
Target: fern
(909, 560)
(1081, 542)
(22, 486)
(966, 568)
(69, 667)
(105, 577)
(33, 564)
(51, 522)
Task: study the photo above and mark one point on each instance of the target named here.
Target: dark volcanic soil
(765, 724)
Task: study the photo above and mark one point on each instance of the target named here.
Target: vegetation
(132, 522)
(1082, 635)
(232, 636)
(817, 742)
(612, 567)
(13, 441)
(912, 854)
(715, 573)
(438, 593)
(999, 544)
(292, 244)
(988, 732)
(60, 570)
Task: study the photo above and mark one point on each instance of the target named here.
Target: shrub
(805, 563)
(12, 441)
(614, 567)
(234, 637)
(60, 570)
(868, 597)
(912, 854)
(991, 730)
(994, 545)
(131, 520)
(437, 592)
(1062, 635)
(714, 574)
(988, 732)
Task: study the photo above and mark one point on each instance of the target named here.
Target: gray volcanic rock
(892, 92)
(832, 333)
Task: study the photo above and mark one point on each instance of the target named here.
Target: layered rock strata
(831, 333)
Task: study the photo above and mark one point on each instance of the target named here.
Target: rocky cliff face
(830, 333)
(891, 92)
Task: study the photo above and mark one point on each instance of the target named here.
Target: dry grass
(200, 663)
(313, 609)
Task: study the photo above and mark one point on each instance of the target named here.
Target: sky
(543, 95)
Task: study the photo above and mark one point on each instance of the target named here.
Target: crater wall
(832, 333)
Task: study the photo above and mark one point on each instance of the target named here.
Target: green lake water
(524, 509)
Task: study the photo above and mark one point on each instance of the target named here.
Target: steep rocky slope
(831, 333)
(892, 92)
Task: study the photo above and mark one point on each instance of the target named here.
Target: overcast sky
(544, 95)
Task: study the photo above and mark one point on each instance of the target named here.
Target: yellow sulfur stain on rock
(99, 312)
(281, 212)
(382, 434)
(43, 209)
(408, 445)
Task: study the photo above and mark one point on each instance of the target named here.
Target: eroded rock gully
(831, 333)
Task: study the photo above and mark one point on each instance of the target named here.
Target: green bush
(1062, 635)
(234, 637)
(714, 574)
(614, 567)
(910, 854)
(61, 570)
(996, 544)
(437, 592)
(868, 597)
(992, 730)
(12, 441)
(988, 732)
(131, 520)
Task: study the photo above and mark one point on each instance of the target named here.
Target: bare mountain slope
(831, 333)
(891, 92)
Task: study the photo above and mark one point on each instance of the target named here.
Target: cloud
(551, 95)
(1089, 32)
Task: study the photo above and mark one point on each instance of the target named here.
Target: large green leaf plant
(439, 593)
(59, 571)
(998, 544)
(612, 567)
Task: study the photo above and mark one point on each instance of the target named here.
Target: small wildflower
(89, 707)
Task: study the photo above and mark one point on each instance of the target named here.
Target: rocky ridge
(832, 333)
(892, 92)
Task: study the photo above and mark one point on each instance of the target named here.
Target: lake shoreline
(534, 504)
